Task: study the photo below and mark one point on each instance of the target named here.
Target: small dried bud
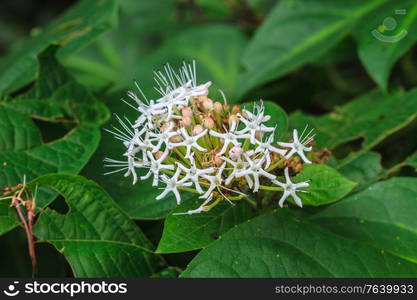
(235, 109)
(218, 107)
(235, 152)
(187, 112)
(226, 107)
(185, 121)
(159, 154)
(197, 129)
(208, 122)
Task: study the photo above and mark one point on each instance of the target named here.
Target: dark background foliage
(315, 87)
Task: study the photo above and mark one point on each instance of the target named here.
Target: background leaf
(298, 32)
(380, 47)
(382, 216)
(95, 236)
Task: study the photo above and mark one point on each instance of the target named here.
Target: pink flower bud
(197, 129)
(218, 107)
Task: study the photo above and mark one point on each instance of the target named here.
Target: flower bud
(187, 112)
(185, 121)
(197, 129)
(206, 103)
(208, 122)
(159, 154)
(235, 109)
(235, 152)
(259, 134)
(226, 107)
(218, 107)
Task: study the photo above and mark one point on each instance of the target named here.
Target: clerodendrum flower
(190, 143)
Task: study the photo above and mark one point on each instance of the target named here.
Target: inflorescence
(186, 141)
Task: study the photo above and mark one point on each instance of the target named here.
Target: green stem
(271, 188)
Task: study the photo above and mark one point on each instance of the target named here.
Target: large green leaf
(326, 185)
(68, 154)
(383, 216)
(373, 116)
(216, 61)
(298, 32)
(278, 245)
(73, 30)
(96, 236)
(190, 232)
(381, 46)
(363, 168)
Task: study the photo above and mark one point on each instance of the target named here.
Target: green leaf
(326, 185)
(217, 62)
(363, 168)
(298, 32)
(25, 155)
(412, 161)
(379, 46)
(382, 216)
(96, 236)
(278, 245)
(73, 30)
(279, 117)
(373, 116)
(56, 96)
(190, 232)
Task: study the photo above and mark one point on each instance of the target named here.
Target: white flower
(298, 146)
(172, 185)
(193, 173)
(229, 137)
(163, 136)
(290, 189)
(190, 141)
(155, 165)
(253, 122)
(255, 169)
(266, 147)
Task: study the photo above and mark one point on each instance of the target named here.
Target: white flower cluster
(214, 158)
